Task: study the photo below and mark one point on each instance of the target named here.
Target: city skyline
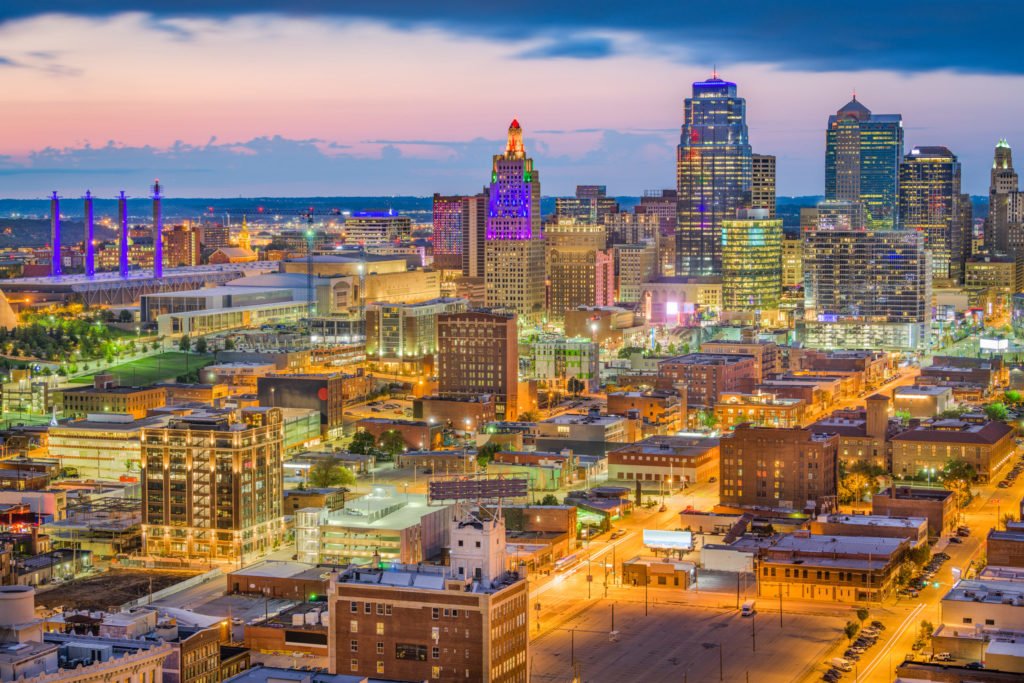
(295, 107)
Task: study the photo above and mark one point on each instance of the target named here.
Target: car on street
(955, 539)
(618, 533)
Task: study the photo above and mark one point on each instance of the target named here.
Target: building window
(380, 647)
(354, 645)
(380, 628)
(968, 620)
(367, 607)
(990, 622)
(435, 652)
(435, 613)
(353, 626)
(380, 666)
(435, 672)
(387, 610)
(354, 607)
(354, 664)
(380, 608)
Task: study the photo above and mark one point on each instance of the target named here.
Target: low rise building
(763, 409)
(330, 499)
(936, 504)
(107, 396)
(661, 412)
(392, 526)
(913, 528)
(440, 462)
(417, 435)
(767, 354)
(590, 433)
(987, 447)
(102, 446)
(669, 461)
(1006, 548)
(983, 620)
(706, 376)
(923, 402)
(832, 568)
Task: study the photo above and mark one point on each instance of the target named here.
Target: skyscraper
(713, 173)
(449, 231)
(866, 288)
(930, 204)
(751, 261)
(1003, 229)
(478, 353)
(762, 184)
(862, 158)
(514, 248)
(591, 204)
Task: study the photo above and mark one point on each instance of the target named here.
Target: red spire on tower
(515, 123)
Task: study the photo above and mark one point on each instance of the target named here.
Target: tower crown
(514, 148)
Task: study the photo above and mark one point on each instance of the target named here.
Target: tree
(920, 555)
(626, 351)
(850, 630)
(392, 442)
(486, 453)
(328, 473)
(549, 499)
(859, 480)
(200, 345)
(126, 316)
(1012, 397)
(996, 411)
(926, 629)
(575, 386)
(185, 344)
(362, 443)
(528, 416)
(707, 419)
(957, 476)
(1007, 518)
(862, 614)
(952, 413)
(229, 344)
(903, 416)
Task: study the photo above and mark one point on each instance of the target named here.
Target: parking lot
(676, 642)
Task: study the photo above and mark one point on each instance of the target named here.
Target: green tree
(575, 386)
(362, 443)
(550, 499)
(957, 476)
(185, 344)
(126, 316)
(200, 345)
(328, 473)
(626, 351)
(996, 411)
(850, 630)
(903, 416)
(707, 419)
(528, 416)
(858, 480)
(926, 630)
(229, 344)
(486, 453)
(920, 555)
(862, 614)
(392, 442)
(952, 413)
(1012, 397)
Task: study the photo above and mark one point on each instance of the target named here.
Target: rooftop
(422, 577)
(583, 419)
(875, 520)
(814, 544)
(956, 431)
(222, 290)
(989, 592)
(708, 359)
(922, 391)
(689, 446)
(272, 674)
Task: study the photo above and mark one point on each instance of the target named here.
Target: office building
(866, 289)
(762, 183)
(664, 461)
(768, 410)
(665, 205)
(449, 219)
(103, 446)
(1004, 227)
(635, 265)
(751, 261)
(713, 173)
(591, 204)
(792, 262)
(212, 487)
(402, 336)
(468, 621)
(558, 359)
(580, 269)
(790, 468)
(479, 354)
(930, 204)
(214, 236)
(767, 354)
(514, 245)
(376, 227)
(862, 158)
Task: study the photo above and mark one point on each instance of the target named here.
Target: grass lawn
(159, 368)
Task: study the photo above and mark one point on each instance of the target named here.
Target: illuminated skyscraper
(751, 261)
(1004, 232)
(590, 205)
(449, 219)
(862, 158)
(762, 184)
(713, 173)
(930, 204)
(514, 249)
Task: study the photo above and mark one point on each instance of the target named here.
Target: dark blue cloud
(574, 48)
(906, 35)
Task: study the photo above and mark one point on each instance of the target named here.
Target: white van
(748, 609)
(841, 664)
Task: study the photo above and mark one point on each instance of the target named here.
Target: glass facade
(713, 173)
(751, 263)
(930, 204)
(862, 159)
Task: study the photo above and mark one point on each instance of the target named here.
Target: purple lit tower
(122, 225)
(55, 245)
(158, 231)
(514, 248)
(88, 248)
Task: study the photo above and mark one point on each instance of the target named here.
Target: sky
(393, 97)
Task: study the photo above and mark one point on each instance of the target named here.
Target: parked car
(943, 657)
(877, 624)
(955, 539)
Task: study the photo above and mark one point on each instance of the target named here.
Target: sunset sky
(394, 97)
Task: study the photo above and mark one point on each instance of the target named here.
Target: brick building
(465, 622)
(767, 355)
(418, 435)
(779, 468)
(674, 460)
(936, 504)
(707, 375)
(106, 396)
(988, 447)
(479, 354)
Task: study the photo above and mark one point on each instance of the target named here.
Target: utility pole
(780, 605)
(753, 631)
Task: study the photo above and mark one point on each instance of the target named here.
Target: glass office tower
(930, 204)
(751, 261)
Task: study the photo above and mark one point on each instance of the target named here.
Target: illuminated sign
(477, 488)
(668, 540)
(989, 344)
